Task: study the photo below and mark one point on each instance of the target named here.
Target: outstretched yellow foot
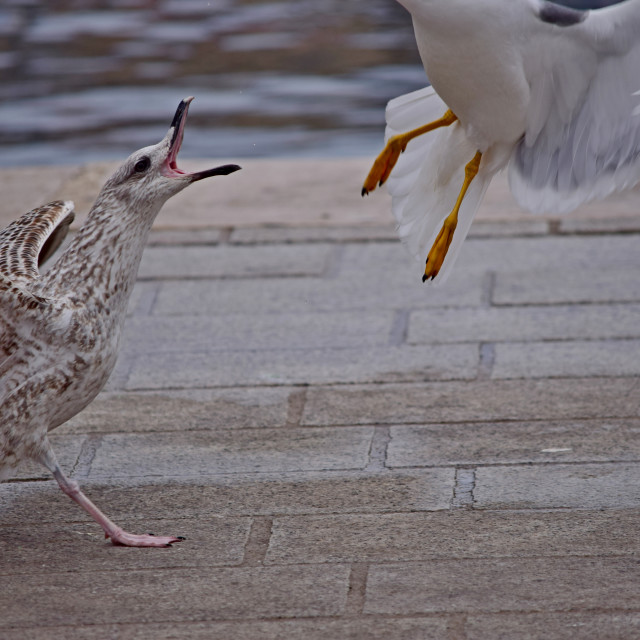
(438, 251)
(396, 145)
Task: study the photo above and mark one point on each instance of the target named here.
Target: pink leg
(117, 535)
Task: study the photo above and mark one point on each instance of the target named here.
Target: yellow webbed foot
(387, 159)
(385, 162)
(438, 251)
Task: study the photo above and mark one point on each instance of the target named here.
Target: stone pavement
(349, 454)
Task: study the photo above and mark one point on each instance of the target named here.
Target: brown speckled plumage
(60, 331)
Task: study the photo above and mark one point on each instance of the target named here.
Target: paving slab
(156, 595)
(558, 253)
(554, 626)
(531, 323)
(584, 486)
(234, 495)
(300, 295)
(196, 453)
(371, 628)
(234, 262)
(567, 359)
(523, 584)
(478, 400)
(267, 331)
(514, 442)
(592, 284)
(183, 411)
(302, 366)
(81, 547)
(411, 537)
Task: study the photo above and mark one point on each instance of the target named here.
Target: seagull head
(150, 176)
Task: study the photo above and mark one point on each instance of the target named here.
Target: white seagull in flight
(553, 93)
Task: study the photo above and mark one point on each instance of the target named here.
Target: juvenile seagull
(552, 93)
(59, 331)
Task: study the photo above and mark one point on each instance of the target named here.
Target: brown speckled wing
(33, 238)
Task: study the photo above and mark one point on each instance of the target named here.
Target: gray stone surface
(308, 366)
(235, 262)
(376, 628)
(529, 256)
(473, 401)
(513, 324)
(184, 594)
(411, 537)
(567, 359)
(212, 541)
(349, 454)
(234, 495)
(514, 442)
(359, 291)
(184, 410)
(564, 625)
(269, 331)
(196, 453)
(505, 584)
(585, 486)
(591, 284)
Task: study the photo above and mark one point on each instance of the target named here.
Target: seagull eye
(142, 165)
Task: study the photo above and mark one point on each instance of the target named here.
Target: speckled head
(152, 174)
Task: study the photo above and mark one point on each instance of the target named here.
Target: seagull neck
(103, 258)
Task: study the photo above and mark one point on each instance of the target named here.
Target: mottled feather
(32, 239)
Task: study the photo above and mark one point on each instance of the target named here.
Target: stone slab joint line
(378, 449)
(295, 407)
(258, 540)
(488, 289)
(487, 360)
(464, 486)
(399, 328)
(82, 468)
(356, 595)
(147, 301)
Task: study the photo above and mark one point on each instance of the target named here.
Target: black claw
(424, 278)
(433, 277)
(181, 537)
(151, 534)
(365, 191)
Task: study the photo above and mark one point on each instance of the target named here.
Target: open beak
(170, 168)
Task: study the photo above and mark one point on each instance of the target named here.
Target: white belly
(484, 85)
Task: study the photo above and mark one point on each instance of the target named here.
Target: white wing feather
(583, 126)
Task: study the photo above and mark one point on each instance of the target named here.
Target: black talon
(365, 191)
(424, 278)
(181, 537)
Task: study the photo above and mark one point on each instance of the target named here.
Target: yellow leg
(387, 159)
(440, 247)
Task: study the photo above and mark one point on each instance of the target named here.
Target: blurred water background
(83, 80)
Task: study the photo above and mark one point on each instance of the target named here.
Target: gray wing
(30, 240)
(583, 126)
